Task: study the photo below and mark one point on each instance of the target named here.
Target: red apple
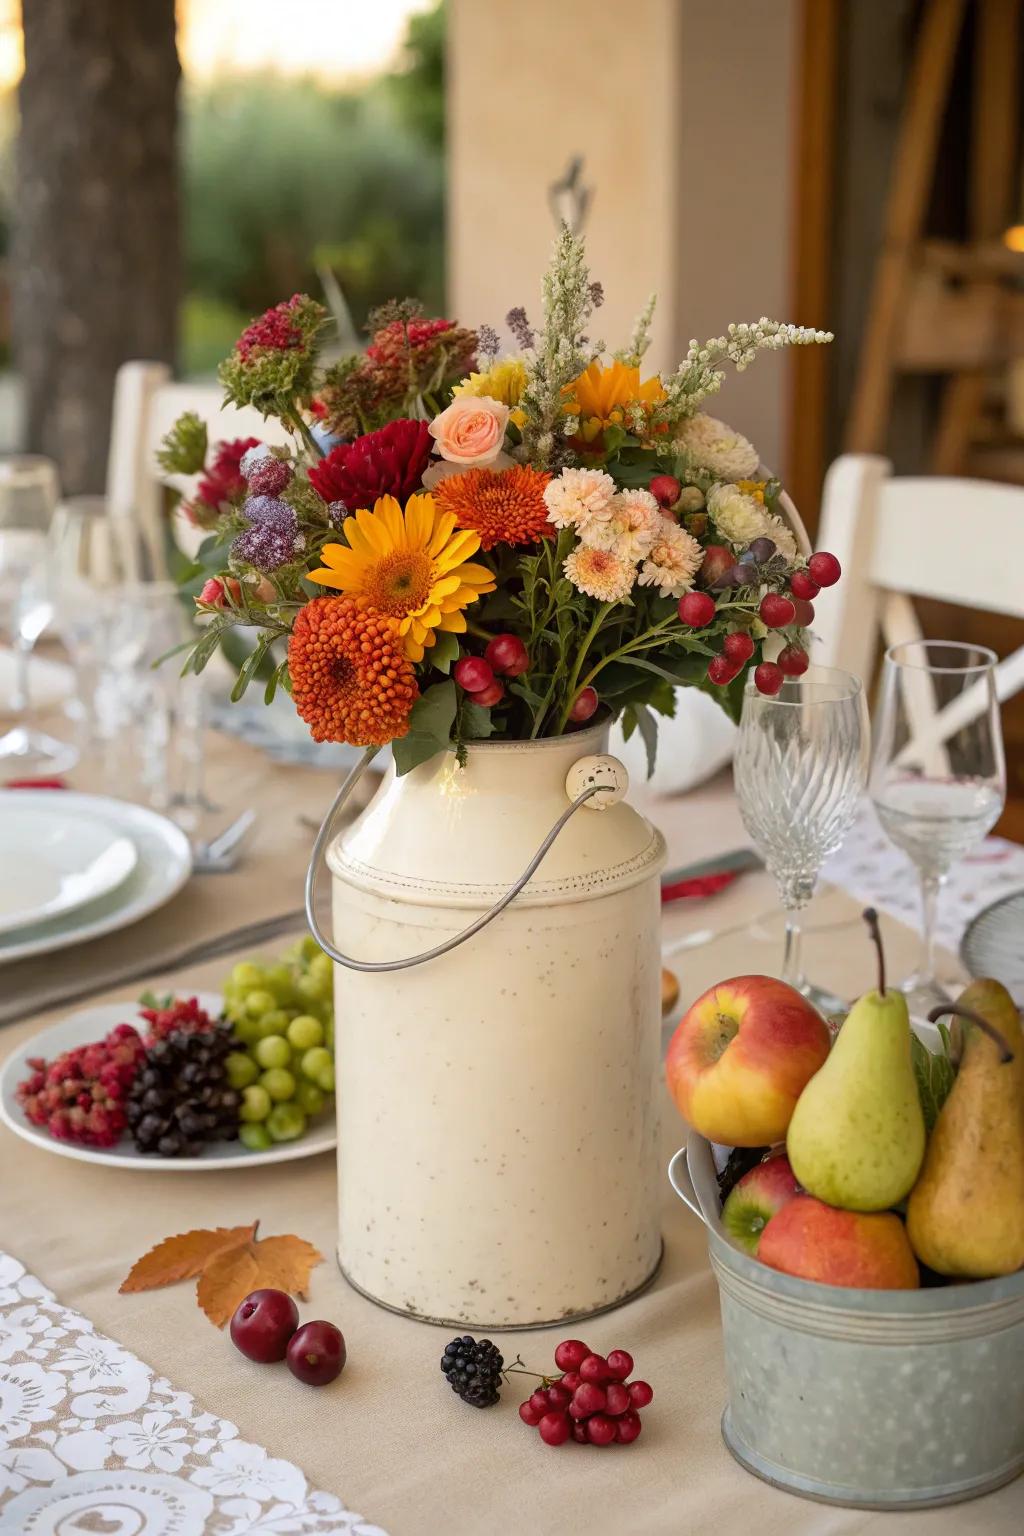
(818, 1242)
(754, 1200)
(742, 1056)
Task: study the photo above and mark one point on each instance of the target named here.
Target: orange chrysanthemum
(351, 679)
(504, 506)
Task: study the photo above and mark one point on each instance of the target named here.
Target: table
(392, 1439)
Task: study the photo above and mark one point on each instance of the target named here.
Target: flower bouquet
(461, 545)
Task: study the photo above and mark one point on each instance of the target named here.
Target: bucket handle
(599, 775)
(682, 1183)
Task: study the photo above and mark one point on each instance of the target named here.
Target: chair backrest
(147, 402)
(900, 537)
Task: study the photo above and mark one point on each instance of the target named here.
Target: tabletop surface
(390, 1438)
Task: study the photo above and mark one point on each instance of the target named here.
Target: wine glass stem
(791, 971)
(931, 887)
(22, 655)
(795, 891)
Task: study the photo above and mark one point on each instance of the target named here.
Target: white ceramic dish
(52, 862)
(164, 863)
(91, 1024)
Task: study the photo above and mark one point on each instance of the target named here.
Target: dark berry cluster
(182, 1098)
(473, 1370)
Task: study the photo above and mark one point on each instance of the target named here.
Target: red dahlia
(388, 462)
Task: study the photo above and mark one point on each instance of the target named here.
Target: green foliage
(430, 727)
(417, 87)
(183, 450)
(935, 1075)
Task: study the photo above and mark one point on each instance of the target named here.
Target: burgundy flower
(222, 481)
(389, 462)
(276, 328)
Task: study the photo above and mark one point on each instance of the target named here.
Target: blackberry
(182, 1098)
(473, 1370)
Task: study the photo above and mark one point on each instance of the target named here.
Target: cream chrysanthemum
(600, 573)
(672, 562)
(631, 529)
(713, 445)
(741, 519)
(579, 498)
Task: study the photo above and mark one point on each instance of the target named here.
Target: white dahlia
(741, 519)
(600, 573)
(630, 529)
(672, 561)
(579, 498)
(713, 445)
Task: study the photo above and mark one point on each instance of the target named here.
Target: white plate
(52, 862)
(164, 864)
(92, 1024)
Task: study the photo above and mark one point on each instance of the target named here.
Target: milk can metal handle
(682, 1183)
(588, 778)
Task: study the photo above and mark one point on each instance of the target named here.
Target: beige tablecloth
(391, 1439)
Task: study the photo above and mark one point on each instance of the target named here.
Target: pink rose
(471, 431)
(214, 594)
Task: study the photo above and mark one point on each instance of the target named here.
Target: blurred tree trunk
(95, 259)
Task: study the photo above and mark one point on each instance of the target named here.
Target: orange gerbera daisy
(600, 396)
(351, 679)
(411, 565)
(504, 506)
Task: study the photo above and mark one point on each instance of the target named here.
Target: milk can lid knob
(604, 770)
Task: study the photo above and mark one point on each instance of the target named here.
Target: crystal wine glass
(938, 775)
(28, 496)
(800, 770)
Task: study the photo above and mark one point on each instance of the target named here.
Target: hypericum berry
(762, 550)
(777, 611)
(627, 1428)
(617, 1398)
(802, 584)
(587, 1399)
(721, 670)
(640, 1393)
(570, 1354)
(316, 1353)
(489, 696)
(583, 705)
(579, 1431)
(559, 1396)
(263, 1323)
(717, 559)
(473, 1370)
(539, 1400)
(793, 661)
(529, 1414)
(600, 1429)
(507, 655)
(696, 609)
(594, 1369)
(555, 1428)
(739, 647)
(571, 1380)
(768, 678)
(665, 489)
(824, 568)
(804, 612)
(620, 1363)
(473, 673)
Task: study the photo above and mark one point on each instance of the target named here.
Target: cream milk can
(497, 1135)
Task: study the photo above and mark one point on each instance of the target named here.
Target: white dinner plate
(92, 1024)
(164, 863)
(53, 862)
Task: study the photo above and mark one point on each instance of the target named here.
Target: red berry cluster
(592, 1403)
(505, 656)
(180, 1013)
(777, 610)
(80, 1096)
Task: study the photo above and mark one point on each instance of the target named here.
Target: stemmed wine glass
(800, 769)
(28, 496)
(938, 775)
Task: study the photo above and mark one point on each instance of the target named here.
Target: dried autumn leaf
(283, 1263)
(183, 1257)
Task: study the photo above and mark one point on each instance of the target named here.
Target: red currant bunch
(593, 1402)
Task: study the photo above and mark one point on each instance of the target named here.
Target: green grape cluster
(282, 1019)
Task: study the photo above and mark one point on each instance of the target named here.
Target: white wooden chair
(900, 537)
(147, 402)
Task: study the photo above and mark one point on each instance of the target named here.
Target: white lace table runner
(92, 1442)
(872, 869)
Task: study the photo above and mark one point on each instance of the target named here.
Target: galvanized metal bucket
(873, 1399)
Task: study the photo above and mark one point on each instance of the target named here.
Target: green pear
(857, 1135)
(965, 1216)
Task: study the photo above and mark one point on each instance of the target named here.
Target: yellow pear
(856, 1139)
(965, 1217)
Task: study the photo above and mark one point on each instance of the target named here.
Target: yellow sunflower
(601, 396)
(411, 565)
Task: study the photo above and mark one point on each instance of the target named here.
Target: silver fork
(220, 854)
